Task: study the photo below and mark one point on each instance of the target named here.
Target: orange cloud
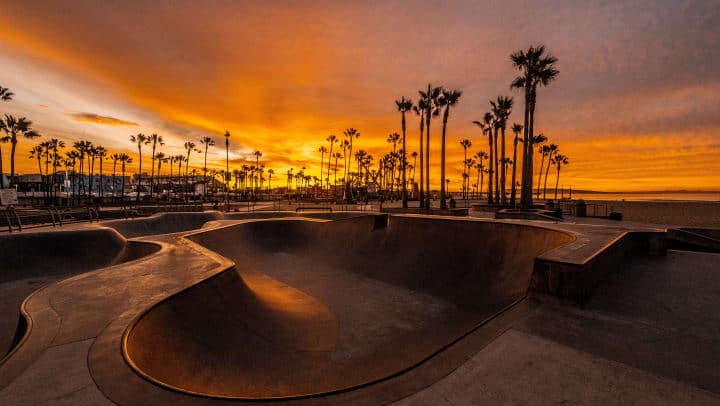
(103, 120)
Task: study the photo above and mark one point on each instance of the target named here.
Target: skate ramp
(316, 307)
(29, 255)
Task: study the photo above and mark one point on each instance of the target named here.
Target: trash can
(580, 208)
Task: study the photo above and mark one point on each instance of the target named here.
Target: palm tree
(257, 154)
(487, 126)
(227, 167)
(124, 160)
(55, 146)
(101, 153)
(115, 158)
(502, 108)
(539, 140)
(536, 69)
(155, 140)
(139, 139)
(465, 144)
(350, 133)
(6, 94)
(16, 128)
(516, 129)
(332, 139)
(393, 139)
(271, 172)
(420, 111)
(414, 155)
(448, 99)
(404, 105)
(36, 152)
(92, 154)
(432, 108)
(207, 142)
(559, 160)
(480, 156)
(160, 158)
(322, 150)
(552, 151)
(189, 147)
(336, 156)
(82, 147)
(72, 158)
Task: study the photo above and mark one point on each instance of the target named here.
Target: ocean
(655, 196)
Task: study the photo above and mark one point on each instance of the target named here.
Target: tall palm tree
(332, 139)
(227, 167)
(322, 150)
(207, 142)
(337, 156)
(465, 144)
(414, 156)
(6, 94)
(350, 134)
(139, 139)
(449, 99)
(543, 150)
(92, 154)
(101, 153)
(115, 158)
(516, 129)
(487, 128)
(482, 155)
(124, 160)
(536, 69)
(404, 105)
(432, 109)
(55, 146)
(257, 154)
(16, 128)
(552, 151)
(271, 172)
(82, 147)
(393, 139)
(155, 140)
(160, 157)
(72, 158)
(502, 108)
(420, 111)
(36, 152)
(189, 147)
(559, 160)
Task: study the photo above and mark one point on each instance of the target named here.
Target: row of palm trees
(14, 128)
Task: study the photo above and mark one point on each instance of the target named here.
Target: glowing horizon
(635, 107)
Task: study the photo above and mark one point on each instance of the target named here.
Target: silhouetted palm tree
(337, 156)
(350, 134)
(227, 166)
(539, 140)
(414, 155)
(404, 105)
(82, 147)
(124, 160)
(36, 152)
(257, 154)
(189, 147)
(139, 139)
(393, 139)
(516, 129)
(502, 108)
(537, 69)
(155, 140)
(420, 111)
(432, 109)
(6, 94)
(115, 158)
(332, 139)
(101, 153)
(207, 142)
(448, 99)
(559, 160)
(322, 150)
(481, 169)
(16, 128)
(160, 158)
(271, 172)
(552, 150)
(465, 144)
(55, 146)
(487, 128)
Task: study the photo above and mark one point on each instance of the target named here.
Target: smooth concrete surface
(648, 334)
(317, 307)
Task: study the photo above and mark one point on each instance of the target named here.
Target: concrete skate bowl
(29, 255)
(165, 223)
(313, 308)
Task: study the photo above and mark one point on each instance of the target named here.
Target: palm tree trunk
(101, 180)
(513, 188)
(503, 178)
(498, 166)
(152, 170)
(443, 204)
(557, 180)
(524, 200)
(428, 113)
(491, 166)
(137, 195)
(422, 161)
(13, 146)
(205, 180)
(531, 119)
(547, 170)
(2, 178)
(542, 164)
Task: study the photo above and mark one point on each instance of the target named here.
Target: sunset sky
(636, 105)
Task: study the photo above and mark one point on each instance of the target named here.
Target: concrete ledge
(577, 280)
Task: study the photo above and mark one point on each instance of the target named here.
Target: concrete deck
(621, 347)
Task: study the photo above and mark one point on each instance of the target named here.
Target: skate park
(368, 308)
